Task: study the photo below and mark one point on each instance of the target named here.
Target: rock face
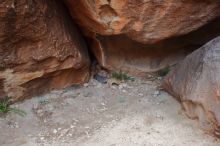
(40, 49)
(120, 52)
(143, 20)
(127, 34)
(196, 83)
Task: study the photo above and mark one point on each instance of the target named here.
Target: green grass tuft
(122, 76)
(5, 108)
(163, 72)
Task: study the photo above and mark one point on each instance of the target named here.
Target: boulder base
(138, 36)
(196, 83)
(40, 49)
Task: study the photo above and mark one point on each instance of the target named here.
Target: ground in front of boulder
(135, 113)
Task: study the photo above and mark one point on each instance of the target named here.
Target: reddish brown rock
(143, 21)
(131, 35)
(40, 49)
(120, 52)
(196, 83)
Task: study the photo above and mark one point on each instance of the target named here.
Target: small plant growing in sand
(44, 101)
(5, 107)
(163, 72)
(122, 76)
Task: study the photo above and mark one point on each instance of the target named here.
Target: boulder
(40, 48)
(129, 34)
(143, 20)
(196, 83)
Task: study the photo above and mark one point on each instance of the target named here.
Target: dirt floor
(135, 113)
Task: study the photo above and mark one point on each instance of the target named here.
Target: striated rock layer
(40, 49)
(196, 83)
(135, 35)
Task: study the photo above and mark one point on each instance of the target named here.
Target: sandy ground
(132, 114)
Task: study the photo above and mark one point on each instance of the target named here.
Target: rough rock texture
(143, 20)
(196, 83)
(119, 52)
(127, 34)
(40, 49)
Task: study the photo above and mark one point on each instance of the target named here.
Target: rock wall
(119, 52)
(143, 21)
(196, 83)
(135, 35)
(40, 48)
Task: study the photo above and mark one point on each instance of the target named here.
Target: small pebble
(70, 134)
(159, 78)
(120, 87)
(113, 87)
(124, 91)
(156, 93)
(55, 131)
(141, 94)
(103, 104)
